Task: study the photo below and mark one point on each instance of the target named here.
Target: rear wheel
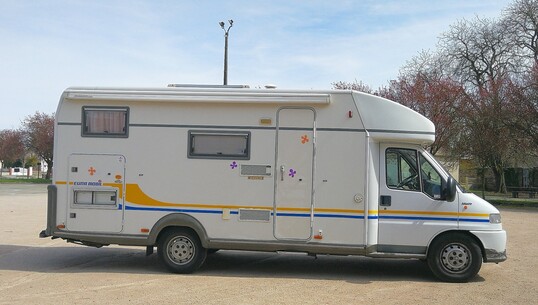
(455, 258)
(181, 251)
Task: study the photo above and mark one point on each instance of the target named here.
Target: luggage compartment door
(95, 193)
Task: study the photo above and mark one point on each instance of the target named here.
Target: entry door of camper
(96, 188)
(294, 173)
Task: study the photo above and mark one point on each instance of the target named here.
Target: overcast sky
(47, 46)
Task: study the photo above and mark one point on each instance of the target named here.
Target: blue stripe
(172, 210)
(474, 220)
(433, 218)
(418, 218)
(133, 208)
(292, 214)
(339, 216)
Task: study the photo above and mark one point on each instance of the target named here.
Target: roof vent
(270, 86)
(207, 86)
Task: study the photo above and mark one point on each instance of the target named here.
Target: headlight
(495, 218)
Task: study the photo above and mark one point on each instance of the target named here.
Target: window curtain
(107, 122)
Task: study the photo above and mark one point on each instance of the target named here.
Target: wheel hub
(180, 250)
(455, 257)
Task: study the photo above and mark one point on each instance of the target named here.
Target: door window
(401, 169)
(406, 169)
(431, 180)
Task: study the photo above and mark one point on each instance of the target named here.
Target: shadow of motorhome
(360, 270)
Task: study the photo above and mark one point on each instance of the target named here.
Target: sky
(47, 46)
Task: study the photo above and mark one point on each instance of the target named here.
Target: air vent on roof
(207, 86)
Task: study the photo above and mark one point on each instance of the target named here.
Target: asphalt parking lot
(45, 271)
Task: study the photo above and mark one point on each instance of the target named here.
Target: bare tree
(479, 51)
(39, 137)
(356, 85)
(481, 55)
(524, 110)
(521, 19)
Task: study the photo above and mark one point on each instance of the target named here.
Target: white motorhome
(191, 170)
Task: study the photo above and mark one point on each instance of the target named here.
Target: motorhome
(194, 169)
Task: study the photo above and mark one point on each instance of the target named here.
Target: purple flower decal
(233, 165)
(292, 173)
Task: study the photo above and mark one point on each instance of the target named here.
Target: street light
(226, 48)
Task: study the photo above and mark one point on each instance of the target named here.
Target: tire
(455, 258)
(181, 251)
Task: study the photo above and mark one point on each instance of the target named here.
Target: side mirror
(449, 191)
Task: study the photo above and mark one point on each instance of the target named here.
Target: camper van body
(188, 169)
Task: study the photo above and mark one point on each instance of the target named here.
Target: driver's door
(411, 206)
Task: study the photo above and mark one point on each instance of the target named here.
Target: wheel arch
(178, 220)
(462, 232)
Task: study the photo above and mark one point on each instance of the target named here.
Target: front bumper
(494, 243)
(492, 256)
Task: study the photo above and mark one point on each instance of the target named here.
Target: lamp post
(231, 22)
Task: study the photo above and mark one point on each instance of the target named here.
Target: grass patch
(514, 203)
(25, 180)
(507, 200)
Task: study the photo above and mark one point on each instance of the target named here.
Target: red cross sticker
(91, 170)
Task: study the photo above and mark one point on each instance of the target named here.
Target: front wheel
(455, 258)
(181, 251)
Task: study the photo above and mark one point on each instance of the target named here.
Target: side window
(219, 145)
(91, 197)
(431, 180)
(105, 121)
(401, 169)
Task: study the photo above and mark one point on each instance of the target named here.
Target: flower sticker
(304, 139)
(292, 173)
(233, 165)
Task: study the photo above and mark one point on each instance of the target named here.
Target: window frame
(93, 204)
(442, 196)
(193, 133)
(419, 156)
(87, 134)
(399, 154)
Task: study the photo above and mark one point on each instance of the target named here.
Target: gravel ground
(45, 271)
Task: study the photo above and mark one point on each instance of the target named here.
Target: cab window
(401, 169)
(431, 180)
(409, 170)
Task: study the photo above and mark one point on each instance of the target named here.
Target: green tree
(39, 137)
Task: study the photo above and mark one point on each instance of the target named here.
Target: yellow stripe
(134, 194)
(116, 185)
(137, 196)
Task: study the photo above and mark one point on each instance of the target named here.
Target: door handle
(281, 172)
(385, 201)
